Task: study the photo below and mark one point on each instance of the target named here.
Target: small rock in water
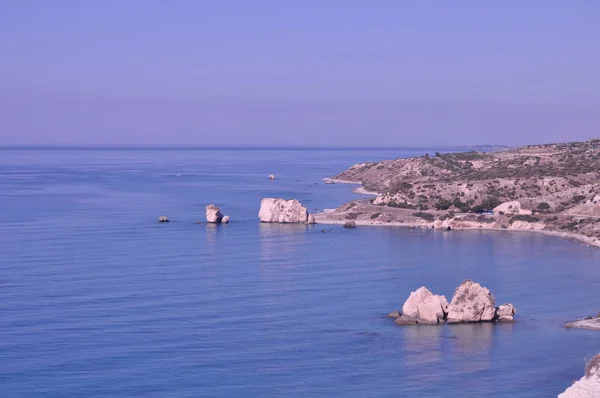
(225, 219)
(350, 224)
(213, 214)
(394, 314)
(405, 320)
(163, 219)
(271, 176)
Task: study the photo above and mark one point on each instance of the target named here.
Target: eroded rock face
(512, 207)
(589, 385)
(471, 303)
(424, 306)
(276, 210)
(213, 214)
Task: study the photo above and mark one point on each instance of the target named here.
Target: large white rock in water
(213, 214)
(471, 303)
(276, 210)
(589, 385)
(424, 306)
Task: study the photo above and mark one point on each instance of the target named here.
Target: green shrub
(443, 204)
(524, 217)
(401, 205)
(425, 216)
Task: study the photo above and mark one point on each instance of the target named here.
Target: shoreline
(324, 218)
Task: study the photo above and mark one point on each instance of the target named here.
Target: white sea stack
(424, 306)
(277, 210)
(471, 303)
(213, 214)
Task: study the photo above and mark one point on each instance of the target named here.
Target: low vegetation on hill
(557, 185)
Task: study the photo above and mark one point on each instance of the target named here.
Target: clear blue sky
(310, 72)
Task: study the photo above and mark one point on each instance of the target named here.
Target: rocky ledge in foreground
(277, 210)
(589, 385)
(471, 303)
(592, 323)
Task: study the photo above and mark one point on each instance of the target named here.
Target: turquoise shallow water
(97, 299)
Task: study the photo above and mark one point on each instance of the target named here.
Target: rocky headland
(553, 189)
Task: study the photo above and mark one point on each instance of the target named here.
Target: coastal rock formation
(163, 219)
(225, 219)
(311, 219)
(350, 224)
(512, 207)
(589, 208)
(213, 214)
(276, 210)
(471, 303)
(505, 313)
(553, 188)
(591, 323)
(589, 385)
(424, 307)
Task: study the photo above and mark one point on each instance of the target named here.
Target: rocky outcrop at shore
(214, 215)
(589, 385)
(276, 210)
(471, 303)
(591, 323)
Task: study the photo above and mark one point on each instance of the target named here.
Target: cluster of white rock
(276, 210)
(471, 303)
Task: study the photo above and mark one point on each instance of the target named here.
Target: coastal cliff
(553, 188)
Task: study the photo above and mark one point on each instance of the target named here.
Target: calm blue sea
(98, 299)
